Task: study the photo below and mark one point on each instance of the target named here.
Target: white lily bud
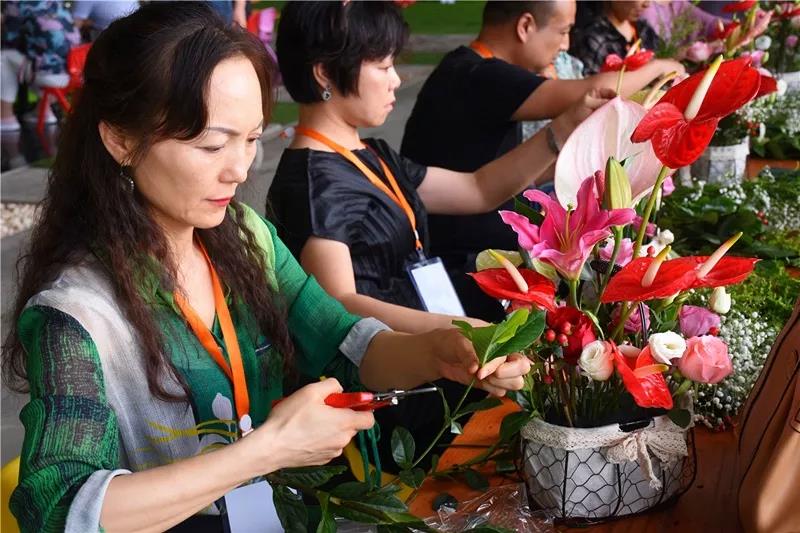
(720, 301)
(597, 360)
(666, 346)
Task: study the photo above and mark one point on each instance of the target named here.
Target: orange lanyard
(395, 193)
(234, 370)
(481, 49)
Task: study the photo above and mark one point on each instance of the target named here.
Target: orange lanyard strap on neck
(394, 193)
(234, 370)
(481, 49)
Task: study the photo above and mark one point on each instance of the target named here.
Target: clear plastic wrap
(505, 507)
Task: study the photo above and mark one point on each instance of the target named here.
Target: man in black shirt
(467, 114)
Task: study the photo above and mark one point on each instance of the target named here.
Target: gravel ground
(17, 217)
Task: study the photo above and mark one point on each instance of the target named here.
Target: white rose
(597, 361)
(782, 87)
(763, 42)
(666, 346)
(720, 301)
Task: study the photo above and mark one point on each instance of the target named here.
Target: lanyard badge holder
(428, 275)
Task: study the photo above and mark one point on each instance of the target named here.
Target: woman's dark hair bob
(340, 38)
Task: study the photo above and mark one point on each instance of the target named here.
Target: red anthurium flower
(678, 129)
(643, 379)
(577, 327)
(498, 283)
(674, 276)
(723, 31)
(728, 271)
(614, 63)
(787, 11)
(738, 7)
(768, 86)
(626, 285)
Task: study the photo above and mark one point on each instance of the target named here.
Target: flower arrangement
(620, 341)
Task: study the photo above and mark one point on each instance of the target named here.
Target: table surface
(710, 505)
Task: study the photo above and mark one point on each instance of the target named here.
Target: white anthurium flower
(597, 360)
(666, 346)
(720, 301)
(222, 408)
(606, 133)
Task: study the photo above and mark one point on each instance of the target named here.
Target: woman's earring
(124, 173)
(326, 94)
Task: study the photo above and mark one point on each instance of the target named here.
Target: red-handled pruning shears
(368, 401)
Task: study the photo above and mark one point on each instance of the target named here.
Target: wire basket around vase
(582, 487)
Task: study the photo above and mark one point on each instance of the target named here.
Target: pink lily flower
(606, 133)
(566, 237)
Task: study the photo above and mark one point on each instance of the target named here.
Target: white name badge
(434, 288)
(250, 509)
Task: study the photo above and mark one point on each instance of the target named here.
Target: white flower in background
(720, 301)
(782, 87)
(597, 360)
(222, 408)
(763, 42)
(666, 346)
(662, 239)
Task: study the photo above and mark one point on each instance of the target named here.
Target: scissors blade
(398, 394)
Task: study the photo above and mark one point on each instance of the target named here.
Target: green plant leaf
(311, 476)
(444, 499)
(434, 462)
(345, 511)
(291, 510)
(525, 209)
(506, 329)
(403, 447)
(512, 424)
(413, 478)
(475, 480)
(384, 502)
(681, 417)
(487, 403)
(350, 490)
(326, 523)
(524, 336)
(505, 467)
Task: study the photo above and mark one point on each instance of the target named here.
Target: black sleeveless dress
(322, 194)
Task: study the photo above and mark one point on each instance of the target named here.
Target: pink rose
(668, 187)
(699, 52)
(634, 322)
(696, 321)
(624, 255)
(791, 41)
(705, 360)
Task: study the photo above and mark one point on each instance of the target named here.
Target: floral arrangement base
(722, 163)
(589, 475)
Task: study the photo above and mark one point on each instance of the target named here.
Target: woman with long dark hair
(157, 317)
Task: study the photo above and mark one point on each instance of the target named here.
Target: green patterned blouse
(71, 429)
